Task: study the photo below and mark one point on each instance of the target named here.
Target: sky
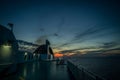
(72, 26)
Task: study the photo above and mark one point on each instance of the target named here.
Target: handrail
(91, 73)
(87, 72)
(5, 64)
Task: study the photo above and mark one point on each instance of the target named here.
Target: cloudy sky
(72, 26)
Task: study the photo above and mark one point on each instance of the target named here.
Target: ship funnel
(47, 42)
(11, 26)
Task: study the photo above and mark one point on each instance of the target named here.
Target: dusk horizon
(58, 35)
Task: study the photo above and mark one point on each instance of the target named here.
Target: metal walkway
(45, 70)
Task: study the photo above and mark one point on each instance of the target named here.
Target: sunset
(44, 39)
(58, 55)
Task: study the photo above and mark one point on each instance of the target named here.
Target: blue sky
(68, 24)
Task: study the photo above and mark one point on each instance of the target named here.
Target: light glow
(57, 55)
(26, 53)
(34, 54)
(6, 50)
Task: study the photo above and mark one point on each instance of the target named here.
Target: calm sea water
(107, 67)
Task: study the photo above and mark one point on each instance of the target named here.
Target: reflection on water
(45, 70)
(25, 72)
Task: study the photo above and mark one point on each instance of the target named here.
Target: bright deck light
(6, 50)
(26, 53)
(34, 54)
(6, 47)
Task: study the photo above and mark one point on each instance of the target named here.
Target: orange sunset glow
(57, 55)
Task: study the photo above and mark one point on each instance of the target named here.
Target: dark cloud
(108, 45)
(103, 52)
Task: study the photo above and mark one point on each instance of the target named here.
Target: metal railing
(5, 64)
(80, 73)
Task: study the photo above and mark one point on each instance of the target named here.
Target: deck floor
(44, 70)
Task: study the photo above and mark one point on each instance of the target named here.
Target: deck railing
(80, 73)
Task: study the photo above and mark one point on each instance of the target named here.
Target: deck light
(6, 50)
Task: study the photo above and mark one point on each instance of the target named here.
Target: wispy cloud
(59, 27)
(44, 35)
(104, 48)
(78, 49)
(90, 31)
(41, 39)
(85, 35)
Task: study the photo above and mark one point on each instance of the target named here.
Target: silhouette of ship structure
(8, 48)
(45, 52)
(10, 55)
